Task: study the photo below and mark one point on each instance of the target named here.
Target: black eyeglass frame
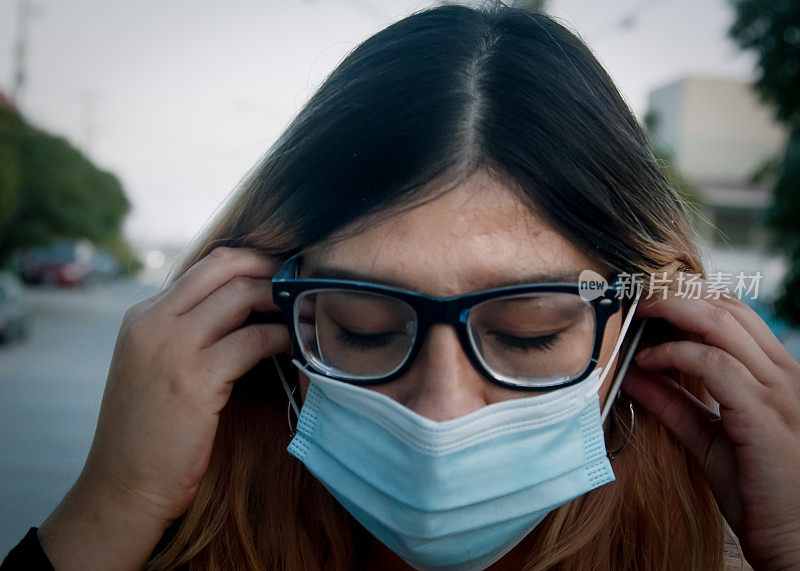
(429, 310)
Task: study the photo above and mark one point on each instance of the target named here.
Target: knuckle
(139, 330)
(145, 330)
(199, 368)
(720, 317)
(241, 285)
(178, 383)
(133, 313)
(783, 396)
(784, 406)
(222, 254)
(712, 356)
(258, 336)
(188, 374)
(716, 358)
(671, 350)
(733, 300)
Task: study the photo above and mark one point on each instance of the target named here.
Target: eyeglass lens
(532, 339)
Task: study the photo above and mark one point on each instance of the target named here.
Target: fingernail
(643, 353)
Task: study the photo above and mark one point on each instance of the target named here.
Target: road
(51, 385)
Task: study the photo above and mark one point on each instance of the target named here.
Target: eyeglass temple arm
(620, 373)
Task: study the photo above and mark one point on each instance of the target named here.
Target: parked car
(13, 308)
(104, 267)
(64, 263)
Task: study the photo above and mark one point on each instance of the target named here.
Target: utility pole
(25, 12)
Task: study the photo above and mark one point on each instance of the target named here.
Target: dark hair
(446, 91)
(409, 113)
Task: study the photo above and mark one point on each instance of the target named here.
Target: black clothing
(28, 555)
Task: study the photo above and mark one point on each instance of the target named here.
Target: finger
(727, 379)
(695, 426)
(747, 317)
(227, 308)
(239, 351)
(675, 407)
(759, 330)
(211, 272)
(717, 326)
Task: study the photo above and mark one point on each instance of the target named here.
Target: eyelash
(355, 340)
(362, 341)
(527, 343)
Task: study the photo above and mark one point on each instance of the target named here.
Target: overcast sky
(180, 98)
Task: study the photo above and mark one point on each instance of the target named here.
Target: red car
(61, 263)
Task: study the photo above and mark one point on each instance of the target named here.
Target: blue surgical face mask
(457, 494)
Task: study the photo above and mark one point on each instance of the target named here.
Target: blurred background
(124, 126)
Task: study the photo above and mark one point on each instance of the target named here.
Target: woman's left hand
(751, 450)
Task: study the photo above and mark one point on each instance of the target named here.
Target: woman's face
(475, 237)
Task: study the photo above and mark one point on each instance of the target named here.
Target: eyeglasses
(539, 337)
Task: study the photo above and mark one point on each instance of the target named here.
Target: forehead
(470, 238)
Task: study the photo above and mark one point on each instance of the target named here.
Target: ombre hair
(408, 114)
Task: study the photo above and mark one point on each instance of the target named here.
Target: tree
(49, 190)
(771, 28)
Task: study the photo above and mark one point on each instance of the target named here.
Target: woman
(459, 150)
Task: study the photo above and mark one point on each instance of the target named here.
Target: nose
(442, 384)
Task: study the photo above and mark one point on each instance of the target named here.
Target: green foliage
(771, 28)
(49, 190)
(784, 218)
(692, 201)
(767, 172)
(687, 192)
(9, 184)
(667, 162)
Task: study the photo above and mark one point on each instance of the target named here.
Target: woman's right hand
(176, 357)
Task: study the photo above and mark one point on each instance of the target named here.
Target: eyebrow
(567, 276)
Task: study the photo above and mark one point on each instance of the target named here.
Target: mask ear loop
(290, 395)
(620, 374)
(612, 392)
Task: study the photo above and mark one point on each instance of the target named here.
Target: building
(717, 134)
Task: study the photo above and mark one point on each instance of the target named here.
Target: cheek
(304, 382)
(606, 386)
(392, 390)
(495, 393)
(610, 337)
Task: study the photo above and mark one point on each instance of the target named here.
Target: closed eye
(365, 341)
(541, 343)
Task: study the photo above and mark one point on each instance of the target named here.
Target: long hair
(407, 115)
